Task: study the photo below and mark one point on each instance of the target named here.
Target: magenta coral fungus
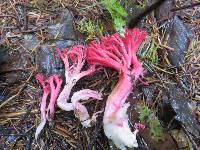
(72, 74)
(120, 54)
(50, 86)
(55, 83)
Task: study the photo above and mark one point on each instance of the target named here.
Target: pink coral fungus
(50, 86)
(72, 74)
(120, 54)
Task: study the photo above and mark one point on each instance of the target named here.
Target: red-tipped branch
(53, 85)
(120, 54)
(73, 73)
(46, 92)
(116, 40)
(98, 55)
(64, 58)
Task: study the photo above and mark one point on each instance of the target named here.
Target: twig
(15, 114)
(186, 6)
(160, 69)
(71, 142)
(26, 16)
(12, 16)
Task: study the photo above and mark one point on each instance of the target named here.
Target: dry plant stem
(16, 114)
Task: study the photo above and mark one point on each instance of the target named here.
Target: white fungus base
(120, 135)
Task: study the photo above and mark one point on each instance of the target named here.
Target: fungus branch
(119, 53)
(80, 110)
(53, 85)
(72, 74)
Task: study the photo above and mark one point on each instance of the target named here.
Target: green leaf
(117, 12)
(147, 115)
(90, 28)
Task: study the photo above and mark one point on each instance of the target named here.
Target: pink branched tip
(99, 54)
(40, 77)
(55, 84)
(91, 69)
(63, 54)
(133, 39)
(46, 88)
(46, 91)
(77, 56)
(139, 126)
(117, 52)
(77, 53)
(52, 85)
